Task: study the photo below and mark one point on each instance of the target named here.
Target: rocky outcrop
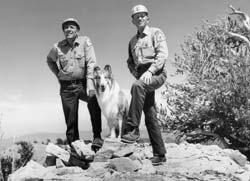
(126, 162)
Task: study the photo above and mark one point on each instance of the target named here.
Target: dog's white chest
(109, 106)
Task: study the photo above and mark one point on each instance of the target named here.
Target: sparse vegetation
(16, 157)
(26, 153)
(59, 141)
(1, 138)
(214, 102)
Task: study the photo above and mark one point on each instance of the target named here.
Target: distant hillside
(43, 137)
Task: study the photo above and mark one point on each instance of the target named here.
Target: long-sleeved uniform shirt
(149, 47)
(72, 63)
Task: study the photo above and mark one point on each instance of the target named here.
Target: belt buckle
(73, 83)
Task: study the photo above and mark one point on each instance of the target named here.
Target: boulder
(195, 160)
(236, 156)
(32, 170)
(55, 150)
(103, 155)
(68, 170)
(147, 167)
(115, 162)
(98, 169)
(82, 149)
(123, 164)
(141, 153)
(59, 163)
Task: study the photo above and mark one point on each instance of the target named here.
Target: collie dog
(111, 99)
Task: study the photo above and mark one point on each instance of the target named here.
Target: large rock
(236, 156)
(142, 152)
(68, 170)
(103, 155)
(113, 148)
(32, 170)
(70, 159)
(82, 149)
(119, 149)
(55, 150)
(98, 169)
(195, 160)
(147, 167)
(184, 162)
(123, 165)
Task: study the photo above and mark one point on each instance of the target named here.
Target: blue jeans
(143, 99)
(71, 93)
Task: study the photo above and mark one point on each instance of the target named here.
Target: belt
(77, 81)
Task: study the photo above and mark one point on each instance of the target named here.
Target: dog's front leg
(120, 129)
(112, 133)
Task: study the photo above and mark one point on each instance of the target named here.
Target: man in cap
(148, 53)
(72, 61)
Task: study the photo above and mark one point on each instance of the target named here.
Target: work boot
(131, 137)
(97, 144)
(158, 160)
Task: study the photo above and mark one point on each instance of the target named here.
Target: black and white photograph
(125, 90)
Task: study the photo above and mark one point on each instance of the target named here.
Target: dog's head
(103, 79)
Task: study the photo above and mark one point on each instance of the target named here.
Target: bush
(6, 165)
(59, 141)
(22, 153)
(214, 102)
(26, 153)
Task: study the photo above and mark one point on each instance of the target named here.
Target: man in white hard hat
(72, 60)
(148, 53)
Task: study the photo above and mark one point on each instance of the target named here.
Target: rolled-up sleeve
(161, 52)
(51, 60)
(91, 62)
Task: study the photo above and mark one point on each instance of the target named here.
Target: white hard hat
(139, 9)
(71, 20)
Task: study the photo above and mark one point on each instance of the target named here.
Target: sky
(29, 92)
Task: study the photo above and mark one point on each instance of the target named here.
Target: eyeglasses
(140, 15)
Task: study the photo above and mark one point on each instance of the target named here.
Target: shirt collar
(76, 42)
(145, 32)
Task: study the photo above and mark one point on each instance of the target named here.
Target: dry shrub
(214, 102)
(15, 157)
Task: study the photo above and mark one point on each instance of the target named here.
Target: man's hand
(134, 73)
(146, 77)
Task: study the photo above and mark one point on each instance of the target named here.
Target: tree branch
(245, 39)
(244, 17)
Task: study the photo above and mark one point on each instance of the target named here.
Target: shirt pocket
(148, 51)
(79, 57)
(62, 60)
